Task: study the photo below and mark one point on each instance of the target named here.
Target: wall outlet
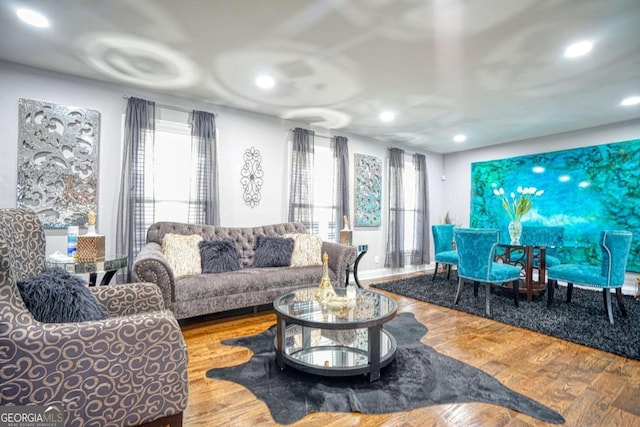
(376, 259)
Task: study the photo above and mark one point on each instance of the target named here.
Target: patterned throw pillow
(182, 253)
(272, 252)
(219, 256)
(307, 249)
(57, 296)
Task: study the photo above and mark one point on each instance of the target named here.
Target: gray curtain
(203, 197)
(420, 253)
(395, 232)
(301, 181)
(340, 150)
(139, 131)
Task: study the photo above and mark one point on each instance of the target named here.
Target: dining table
(526, 257)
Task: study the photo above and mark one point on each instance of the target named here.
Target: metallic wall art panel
(58, 162)
(368, 192)
(586, 190)
(252, 177)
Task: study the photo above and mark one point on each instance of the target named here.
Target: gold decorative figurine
(325, 291)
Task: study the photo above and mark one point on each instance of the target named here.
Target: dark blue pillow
(57, 296)
(218, 256)
(273, 252)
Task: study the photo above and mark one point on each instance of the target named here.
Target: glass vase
(515, 231)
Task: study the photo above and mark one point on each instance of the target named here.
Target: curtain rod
(171, 107)
(319, 135)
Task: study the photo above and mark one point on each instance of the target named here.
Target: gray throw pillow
(273, 252)
(57, 296)
(219, 256)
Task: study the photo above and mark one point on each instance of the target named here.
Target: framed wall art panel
(368, 191)
(58, 162)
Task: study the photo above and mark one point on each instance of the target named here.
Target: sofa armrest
(340, 257)
(127, 299)
(136, 364)
(152, 266)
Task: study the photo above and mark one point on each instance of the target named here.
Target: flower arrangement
(519, 205)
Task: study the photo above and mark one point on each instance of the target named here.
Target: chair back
(535, 235)
(442, 237)
(615, 247)
(22, 255)
(476, 248)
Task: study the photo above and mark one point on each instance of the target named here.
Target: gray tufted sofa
(196, 295)
(128, 369)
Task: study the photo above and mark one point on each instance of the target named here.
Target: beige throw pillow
(182, 253)
(307, 249)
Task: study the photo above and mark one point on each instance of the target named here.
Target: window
(168, 173)
(410, 209)
(323, 204)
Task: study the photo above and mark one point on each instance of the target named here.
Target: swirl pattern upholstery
(200, 294)
(129, 369)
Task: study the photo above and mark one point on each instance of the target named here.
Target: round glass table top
(368, 308)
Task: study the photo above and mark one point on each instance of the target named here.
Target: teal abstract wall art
(586, 190)
(368, 194)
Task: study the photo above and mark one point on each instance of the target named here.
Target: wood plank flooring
(587, 387)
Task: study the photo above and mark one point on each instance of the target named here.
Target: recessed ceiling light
(578, 49)
(460, 138)
(387, 116)
(265, 82)
(632, 100)
(32, 18)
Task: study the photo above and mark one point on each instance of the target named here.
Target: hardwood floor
(587, 387)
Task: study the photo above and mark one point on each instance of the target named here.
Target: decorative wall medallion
(368, 192)
(58, 162)
(252, 177)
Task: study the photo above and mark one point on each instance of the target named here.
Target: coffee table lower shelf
(320, 352)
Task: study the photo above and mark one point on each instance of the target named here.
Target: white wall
(238, 130)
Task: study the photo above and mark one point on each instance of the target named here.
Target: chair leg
(433, 279)
(448, 271)
(459, 291)
(487, 304)
(569, 292)
(516, 292)
(607, 303)
(621, 302)
(551, 286)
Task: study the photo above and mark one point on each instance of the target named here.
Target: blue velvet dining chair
(551, 237)
(476, 252)
(442, 240)
(609, 275)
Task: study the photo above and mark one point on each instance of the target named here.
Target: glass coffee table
(329, 340)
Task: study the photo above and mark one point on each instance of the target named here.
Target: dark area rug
(583, 321)
(419, 376)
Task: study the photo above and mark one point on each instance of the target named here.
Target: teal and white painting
(586, 190)
(368, 194)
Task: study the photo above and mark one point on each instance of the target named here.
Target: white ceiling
(491, 69)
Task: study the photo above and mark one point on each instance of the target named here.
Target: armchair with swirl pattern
(126, 370)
